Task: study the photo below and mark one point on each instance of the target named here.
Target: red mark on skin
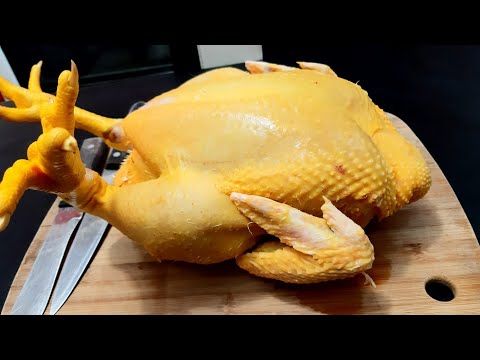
(65, 215)
(340, 169)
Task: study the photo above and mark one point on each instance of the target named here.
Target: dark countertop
(434, 89)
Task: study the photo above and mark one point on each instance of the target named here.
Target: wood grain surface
(431, 238)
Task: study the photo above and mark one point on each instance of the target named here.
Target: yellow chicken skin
(298, 153)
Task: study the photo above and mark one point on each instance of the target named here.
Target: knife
(36, 291)
(89, 235)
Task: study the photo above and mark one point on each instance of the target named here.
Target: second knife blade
(89, 235)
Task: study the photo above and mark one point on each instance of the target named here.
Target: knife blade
(89, 235)
(90, 232)
(36, 291)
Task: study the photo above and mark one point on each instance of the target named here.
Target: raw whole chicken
(226, 159)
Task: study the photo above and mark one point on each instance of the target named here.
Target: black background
(434, 88)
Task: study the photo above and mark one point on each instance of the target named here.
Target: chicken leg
(54, 164)
(29, 103)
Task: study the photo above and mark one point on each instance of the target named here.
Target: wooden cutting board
(430, 239)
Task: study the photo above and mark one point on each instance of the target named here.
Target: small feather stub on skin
(248, 227)
(369, 280)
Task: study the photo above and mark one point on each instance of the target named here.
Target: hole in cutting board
(440, 289)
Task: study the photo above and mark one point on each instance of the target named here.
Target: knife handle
(93, 153)
(115, 159)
